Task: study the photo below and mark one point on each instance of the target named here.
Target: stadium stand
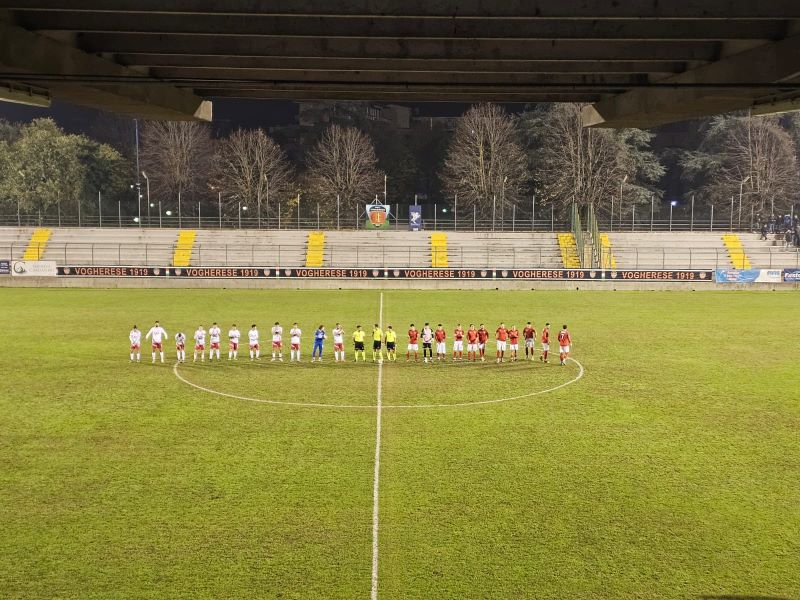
(394, 249)
(14, 242)
(736, 252)
(37, 244)
(669, 250)
(439, 250)
(111, 246)
(698, 250)
(183, 248)
(569, 251)
(250, 247)
(607, 258)
(771, 253)
(315, 249)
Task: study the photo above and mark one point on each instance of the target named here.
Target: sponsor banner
(382, 273)
(791, 275)
(749, 275)
(770, 276)
(415, 217)
(34, 268)
(189, 272)
(5, 267)
(377, 216)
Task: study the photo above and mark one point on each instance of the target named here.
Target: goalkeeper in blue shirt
(319, 339)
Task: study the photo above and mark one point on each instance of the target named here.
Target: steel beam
(402, 27)
(769, 63)
(398, 96)
(230, 63)
(530, 9)
(384, 48)
(24, 52)
(204, 77)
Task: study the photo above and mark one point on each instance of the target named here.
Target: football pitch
(662, 463)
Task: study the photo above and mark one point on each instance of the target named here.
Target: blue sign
(791, 275)
(5, 267)
(415, 217)
(737, 275)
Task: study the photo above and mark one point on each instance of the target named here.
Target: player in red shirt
(472, 342)
(513, 342)
(529, 333)
(564, 340)
(545, 342)
(413, 344)
(501, 336)
(458, 343)
(441, 349)
(483, 337)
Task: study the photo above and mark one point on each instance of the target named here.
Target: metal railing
(442, 222)
(482, 255)
(448, 222)
(594, 232)
(577, 232)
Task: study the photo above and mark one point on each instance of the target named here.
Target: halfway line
(374, 594)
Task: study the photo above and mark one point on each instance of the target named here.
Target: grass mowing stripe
(375, 485)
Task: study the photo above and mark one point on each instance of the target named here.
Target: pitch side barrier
(49, 274)
(274, 273)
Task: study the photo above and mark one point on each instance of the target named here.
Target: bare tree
(752, 155)
(252, 168)
(343, 164)
(485, 164)
(573, 163)
(176, 156)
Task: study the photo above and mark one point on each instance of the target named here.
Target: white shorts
(458, 346)
(545, 347)
(501, 346)
(413, 347)
(529, 343)
(481, 346)
(472, 347)
(513, 346)
(564, 349)
(441, 348)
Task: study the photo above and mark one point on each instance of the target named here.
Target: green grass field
(670, 470)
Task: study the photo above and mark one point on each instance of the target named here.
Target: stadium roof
(639, 62)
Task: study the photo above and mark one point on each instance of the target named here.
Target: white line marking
(264, 401)
(374, 593)
(496, 400)
(581, 373)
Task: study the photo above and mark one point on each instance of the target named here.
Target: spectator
(763, 232)
(787, 237)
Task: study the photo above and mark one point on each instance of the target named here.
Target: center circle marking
(581, 372)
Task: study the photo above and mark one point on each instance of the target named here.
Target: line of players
(506, 340)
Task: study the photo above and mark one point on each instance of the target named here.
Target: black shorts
(426, 345)
(390, 345)
(376, 345)
(360, 346)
